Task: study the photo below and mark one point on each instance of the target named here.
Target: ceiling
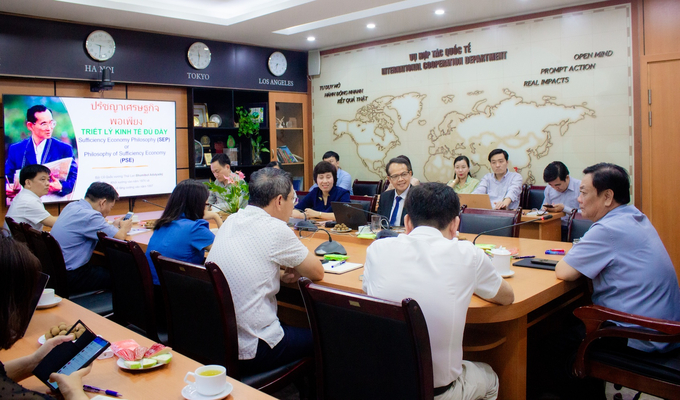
(282, 24)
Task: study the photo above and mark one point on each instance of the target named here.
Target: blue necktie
(393, 218)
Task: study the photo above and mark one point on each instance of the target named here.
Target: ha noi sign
(554, 88)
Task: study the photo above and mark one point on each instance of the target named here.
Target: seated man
(502, 186)
(414, 181)
(561, 193)
(392, 205)
(26, 206)
(622, 253)
(220, 166)
(250, 248)
(344, 178)
(441, 273)
(76, 231)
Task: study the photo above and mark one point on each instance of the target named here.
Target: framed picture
(200, 114)
(261, 110)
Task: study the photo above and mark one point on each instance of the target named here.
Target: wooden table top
(556, 216)
(160, 383)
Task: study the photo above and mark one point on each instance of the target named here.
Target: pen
(339, 264)
(521, 257)
(555, 252)
(93, 389)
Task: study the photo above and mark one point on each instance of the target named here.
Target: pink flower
(240, 175)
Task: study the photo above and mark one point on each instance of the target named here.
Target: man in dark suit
(392, 201)
(41, 148)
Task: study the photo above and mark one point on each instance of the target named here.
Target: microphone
(305, 225)
(543, 218)
(153, 204)
(387, 231)
(329, 247)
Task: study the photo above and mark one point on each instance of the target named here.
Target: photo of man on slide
(41, 148)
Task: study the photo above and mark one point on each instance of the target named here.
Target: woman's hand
(71, 386)
(39, 354)
(214, 216)
(312, 213)
(455, 181)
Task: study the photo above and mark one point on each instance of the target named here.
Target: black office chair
(366, 188)
(16, 230)
(367, 348)
(367, 203)
(202, 322)
(46, 248)
(534, 197)
(132, 287)
(654, 373)
(477, 220)
(577, 225)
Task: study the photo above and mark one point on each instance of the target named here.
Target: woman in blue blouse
(182, 232)
(317, 204)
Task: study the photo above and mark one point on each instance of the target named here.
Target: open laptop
(475, 200)
(350, 214)
(37, 292)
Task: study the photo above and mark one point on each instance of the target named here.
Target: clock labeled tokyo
(199, 55)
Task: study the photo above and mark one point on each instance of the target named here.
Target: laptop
(37, 292)
(350, 214)
(475, 201)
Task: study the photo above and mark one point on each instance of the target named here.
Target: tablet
(540, 263)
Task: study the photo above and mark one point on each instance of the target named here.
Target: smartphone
(128, 216)
(549, 205)
(69, 357)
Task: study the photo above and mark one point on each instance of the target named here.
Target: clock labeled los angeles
(277, 63)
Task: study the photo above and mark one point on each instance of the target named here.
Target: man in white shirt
(429, 264)
(502, 186)
(392, 202)
(250, 248)
(27, 206)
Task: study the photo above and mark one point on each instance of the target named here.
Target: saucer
(508, 274)
(54, 302)
(188, 394)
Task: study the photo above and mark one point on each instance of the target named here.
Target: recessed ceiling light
(311, 39)
(370, 26)
(439, 12)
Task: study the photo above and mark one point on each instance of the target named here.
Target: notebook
(340, 267)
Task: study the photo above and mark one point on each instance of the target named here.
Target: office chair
(367, 348)
(477, 220)
(533, 197)
(366, 188)
(577, 225)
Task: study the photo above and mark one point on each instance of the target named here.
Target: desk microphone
(153, 204)
(305, 225)
(543, 218)
(329, 247)
(387, 231)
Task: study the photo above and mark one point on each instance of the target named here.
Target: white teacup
(208, 380)
(47, 297)
(501, 260)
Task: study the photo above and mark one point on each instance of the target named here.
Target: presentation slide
(129, 144)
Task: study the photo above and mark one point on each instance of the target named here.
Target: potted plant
(258, 147)
(233, 196)
(248, 124)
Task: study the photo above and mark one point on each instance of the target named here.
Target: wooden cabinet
(290, 135)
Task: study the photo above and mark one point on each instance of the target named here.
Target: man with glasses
(250, 249)
(502, 186)
(41, 148)
(392, 201)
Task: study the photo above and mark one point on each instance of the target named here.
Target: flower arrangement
(234, 195)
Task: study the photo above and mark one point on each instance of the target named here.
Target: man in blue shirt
(41, 148)
(622, 254)
(561, 193)
(502, 186)
(76, 231)
(344, 178)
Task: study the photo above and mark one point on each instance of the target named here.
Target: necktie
(393, 218)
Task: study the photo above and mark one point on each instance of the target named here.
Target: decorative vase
(257, 157)
(223, 215)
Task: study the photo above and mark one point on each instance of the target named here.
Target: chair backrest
(131, 285)
(16, 230)
(477, 220)
(366, 188)
(301, 193)
(200, 312)
(46, 248)
(534, 197)
(367, 203)
(578, 225)
(367, 348)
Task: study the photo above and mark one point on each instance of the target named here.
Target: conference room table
(549, 229)
(164, 382)
(494, 334)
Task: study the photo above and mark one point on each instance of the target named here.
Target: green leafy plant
(248, 124)
(258, 144)
(234, 195)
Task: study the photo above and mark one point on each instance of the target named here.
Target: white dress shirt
(39, 149)
(27, 207)
(569, 197)
(249, 248)
(441, 275)
(509, 186)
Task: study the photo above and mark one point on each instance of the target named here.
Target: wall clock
(199, 55)
(277, 63)
(100, 45)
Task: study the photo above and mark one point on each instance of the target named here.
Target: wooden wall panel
(35, 87)
(182, 175)
(82, 89)
(168, 93)
(662, 31)
(182, 146)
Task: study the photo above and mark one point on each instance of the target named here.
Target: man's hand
(290, 275)
(55, 186)
(503, 205)
(557, 208)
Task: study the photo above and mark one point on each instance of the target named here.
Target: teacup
(47, 297)
(208, 380)
(501, 260)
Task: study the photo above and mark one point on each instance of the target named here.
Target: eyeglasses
(295, 198)
(405, 175)
(46, 124)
